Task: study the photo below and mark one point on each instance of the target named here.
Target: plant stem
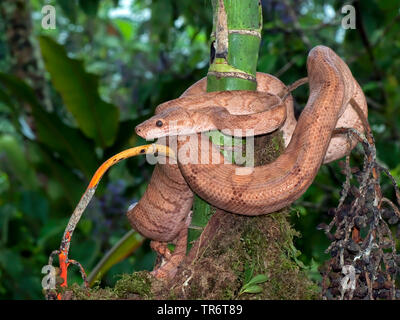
(236, 39)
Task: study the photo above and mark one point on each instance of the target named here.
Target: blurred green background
(70, 97)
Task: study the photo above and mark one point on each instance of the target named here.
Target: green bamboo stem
(236, 39)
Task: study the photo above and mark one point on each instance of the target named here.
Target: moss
(137, 283)
(273, 256)
(131, 286)
(76, 292)
(263, 244)
(268, 147)
(228, 294)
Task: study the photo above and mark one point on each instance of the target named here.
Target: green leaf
(4, 182)
(69, 7)
(75, 149)
(260, 278)
(72, 185)
(126, 28)
(90, 7)
(251, 289)
(5, 99)
(52, 132)
(17, 162)
(52, 228)
(267, 63)
(388, 4)
(252, 285)
(161, 19)
(7, 211)
(34, 205)
(11, 262)
(370, 86)
(248, 272)
(86, 252)
(79, 90)
(128, 243)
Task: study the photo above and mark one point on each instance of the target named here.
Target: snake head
(170, 122)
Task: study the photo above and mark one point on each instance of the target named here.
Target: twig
(62, 253)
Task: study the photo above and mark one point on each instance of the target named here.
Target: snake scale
(163, 213)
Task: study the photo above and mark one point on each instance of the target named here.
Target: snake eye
(159, 123)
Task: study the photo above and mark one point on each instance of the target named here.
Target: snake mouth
(140, 132)
(145, 134)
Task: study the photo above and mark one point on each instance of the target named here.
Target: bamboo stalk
(235, 38)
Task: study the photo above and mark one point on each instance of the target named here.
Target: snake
(163, 214)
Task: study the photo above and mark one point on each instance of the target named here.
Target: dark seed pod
(370, 269)
(353, 247)
(380, 280)
(361, 291)
(386, 245)
(392, 270)
(334, 252)
(387, 284)
(393, 219)
(335, 283)
(331, 212)
(388, 257)
(339, 234)
(361, 277)
(360, 222)
(330, 237)
(335, 291)
(334, 276)
(370, 197)
(358, 265)
(386, 214)
(366, 260)
(328, 295)
(384, 294)
(336, 267)
(370, 219)
(354, 191)
(322, 226)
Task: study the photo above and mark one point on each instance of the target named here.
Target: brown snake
(163, 213)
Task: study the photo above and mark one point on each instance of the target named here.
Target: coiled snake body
(163, 213)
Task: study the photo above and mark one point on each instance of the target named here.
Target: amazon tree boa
(163, 213)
